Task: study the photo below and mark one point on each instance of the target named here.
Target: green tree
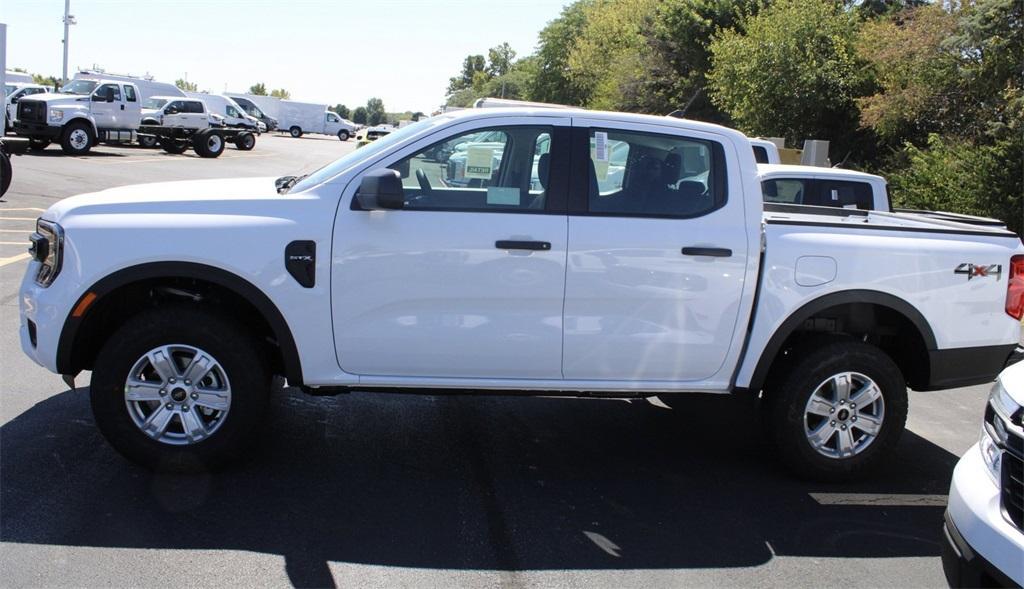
(500, 59)
(281, 93)
(359, 115)
(915, 72)
(42, 80)
(375, 113)
(186, 85)
(342, 111)
(556, 41)
(258, 89)
(794, 73)
(471, 66)
(609, 51)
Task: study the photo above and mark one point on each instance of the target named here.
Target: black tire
(245, 141)
(343, 135)
(38, 144)
(209, 143)
(148, 141)
(173, 146)
(5, 173)
(295, 132)
(790, 392)
(230, 344)
(77, 138)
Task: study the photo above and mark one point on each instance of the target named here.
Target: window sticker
(479, 161)
(503, 195)
(600, 146)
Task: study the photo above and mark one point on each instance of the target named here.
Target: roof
(808, 171)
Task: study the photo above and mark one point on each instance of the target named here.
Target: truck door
(103, 112)
(176, 114)
(130, 116)
(464, 281)
(332, 124)
(658, 250)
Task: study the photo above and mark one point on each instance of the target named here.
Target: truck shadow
(491, 483)
(55, 151)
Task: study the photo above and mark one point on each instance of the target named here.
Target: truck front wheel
(180, 388)
(5, 172)
(147, 141)
(77, 139)
(295, 131)
(838, 410)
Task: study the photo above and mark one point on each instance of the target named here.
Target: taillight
(1015, 288)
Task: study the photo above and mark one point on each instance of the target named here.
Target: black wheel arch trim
(797, 318)
(266, 307)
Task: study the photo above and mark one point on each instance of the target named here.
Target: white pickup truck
(83, 113)
(370, 274)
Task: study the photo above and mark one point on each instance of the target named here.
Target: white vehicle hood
(187, 197)
(50, 97)
(1013, 381)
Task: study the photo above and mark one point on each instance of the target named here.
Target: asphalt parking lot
(397, 490)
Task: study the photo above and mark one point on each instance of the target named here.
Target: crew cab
(371, 274)
(82, 114)
(177, 123)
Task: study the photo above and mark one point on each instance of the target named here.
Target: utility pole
(69, 19)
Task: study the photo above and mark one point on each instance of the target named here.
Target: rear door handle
(508, 244)
(713, 252)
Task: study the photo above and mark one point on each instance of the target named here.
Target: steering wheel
(421, 177)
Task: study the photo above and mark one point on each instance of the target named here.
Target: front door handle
(122, 107)
(509, 244)
(713, 252)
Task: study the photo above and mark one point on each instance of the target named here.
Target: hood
(1013, 381)
(187, 197)
(51, 97)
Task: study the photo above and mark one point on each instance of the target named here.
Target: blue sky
(402, 51)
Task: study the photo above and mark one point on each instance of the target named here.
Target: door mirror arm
(381, 190)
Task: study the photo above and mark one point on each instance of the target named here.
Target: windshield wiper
(285, 183)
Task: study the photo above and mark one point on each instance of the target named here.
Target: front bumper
(36, 130)
(46, 309)
(982, 548)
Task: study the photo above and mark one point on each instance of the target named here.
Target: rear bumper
(961, 367)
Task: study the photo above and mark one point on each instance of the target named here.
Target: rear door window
(129, 93)
(194, 106)
(760, 154)
(844, 194)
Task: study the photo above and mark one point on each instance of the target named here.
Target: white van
(233, 113)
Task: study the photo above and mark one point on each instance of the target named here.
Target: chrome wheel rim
(214, 143)
(78, 138)
(177, 394)
(844, 415)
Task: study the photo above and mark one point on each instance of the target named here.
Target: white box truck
(298, 118)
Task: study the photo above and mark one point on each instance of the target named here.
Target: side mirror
(381, 189)
(110, 94)
(171, 110)
(15, 100)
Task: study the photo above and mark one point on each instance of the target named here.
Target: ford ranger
(185, 299)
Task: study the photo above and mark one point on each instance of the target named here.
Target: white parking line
(880, 500)
(23, 209)
(25, 231)
(176, 159)
(13, 259)
(13, 243)
(17, 218)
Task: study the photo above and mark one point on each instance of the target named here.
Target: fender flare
(80, 117)
(223, 278)
(797, 318)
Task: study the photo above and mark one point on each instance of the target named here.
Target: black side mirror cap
(381, 189)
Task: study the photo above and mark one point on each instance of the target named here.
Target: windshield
(154, 103)
(80, 87)
(367, 152)
(8, 89)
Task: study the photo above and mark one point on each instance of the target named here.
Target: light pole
(69, 19)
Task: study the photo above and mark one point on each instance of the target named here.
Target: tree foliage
(359, 115)
(281, 93)
(42, 80)
(185, 85)
(342, 111)
(375, 113)
(258, 89)
(792, 72)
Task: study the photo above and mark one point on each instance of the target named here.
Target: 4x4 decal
(979, 270)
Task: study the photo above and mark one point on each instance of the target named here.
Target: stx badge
(979, 270)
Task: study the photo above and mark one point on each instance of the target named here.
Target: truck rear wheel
(173, 146)
(38, 144)
(343, 135)
(208, 143)
(180, 388)
(148, 141)
(245, 141)
(295, 131)
(838, 410)
(77, 139)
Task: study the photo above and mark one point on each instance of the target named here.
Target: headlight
(994, 436)
(56, 114)
(47, 249)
